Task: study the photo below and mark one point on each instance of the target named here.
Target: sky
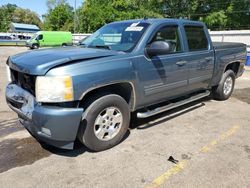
(38, 6)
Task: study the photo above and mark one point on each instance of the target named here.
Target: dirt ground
(203, 144)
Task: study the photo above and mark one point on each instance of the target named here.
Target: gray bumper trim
(61, 123)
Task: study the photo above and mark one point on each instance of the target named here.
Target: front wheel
(105, 122)
(226, 86)
(35, 46)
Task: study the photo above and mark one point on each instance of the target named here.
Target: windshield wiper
(101, 46)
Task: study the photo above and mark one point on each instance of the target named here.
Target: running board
(172, 105)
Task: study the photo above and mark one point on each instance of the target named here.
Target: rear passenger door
(200, 59)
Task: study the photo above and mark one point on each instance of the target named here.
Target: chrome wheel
(228, 85)
(108, 123)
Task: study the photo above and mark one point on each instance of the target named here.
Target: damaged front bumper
(54, 125)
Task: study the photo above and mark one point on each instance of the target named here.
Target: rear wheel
(105, 123)
(64, 45)
(226, 86)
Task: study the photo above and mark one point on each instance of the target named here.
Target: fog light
(46, 131)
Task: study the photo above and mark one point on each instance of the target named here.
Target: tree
(95, 13)
(12, 13)
(238, 13)
(223, 14)
(218, 15)
(216, 20)
(51, 4)
(6, 12)
(59, 18)
(26, 16)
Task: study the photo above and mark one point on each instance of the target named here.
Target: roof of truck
(162, 20)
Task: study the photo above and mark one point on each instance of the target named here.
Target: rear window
(196, 38)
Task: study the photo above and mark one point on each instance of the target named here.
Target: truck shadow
(165, 116)
(79, 148)
(135, 124)
(19, 152)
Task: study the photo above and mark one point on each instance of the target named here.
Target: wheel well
(125, 90)
(233, 66)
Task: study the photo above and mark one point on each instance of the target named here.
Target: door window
(169, 34)
(196, 38)
(40, 37)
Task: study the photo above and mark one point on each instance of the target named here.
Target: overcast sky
(38, 6)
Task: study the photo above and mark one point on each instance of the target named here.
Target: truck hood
(38, 62)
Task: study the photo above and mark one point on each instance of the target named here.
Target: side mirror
(158, 48)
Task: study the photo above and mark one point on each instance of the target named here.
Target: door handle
(181, 63)
(208, 59)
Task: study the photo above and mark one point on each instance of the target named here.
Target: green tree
(95, 13)
(59, 18)
(238, 13)
(6, 12)
(12, 13)
(51, 4)
(216, 20)
(26, 16)
(218, 15)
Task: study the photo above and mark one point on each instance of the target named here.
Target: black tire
(86, 134)
(219, 91)
(64, 45)
(35, 46)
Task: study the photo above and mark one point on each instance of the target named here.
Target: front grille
(23, 80)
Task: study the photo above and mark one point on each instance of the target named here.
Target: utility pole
(75, 18)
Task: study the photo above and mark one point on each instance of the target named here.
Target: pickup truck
(143, 66)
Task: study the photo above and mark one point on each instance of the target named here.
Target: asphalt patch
(20, 152)
(9, 126)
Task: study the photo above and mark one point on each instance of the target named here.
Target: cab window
(39, 37)
(169, 34)
(196, 38)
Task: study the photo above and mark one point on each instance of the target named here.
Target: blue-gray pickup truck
(143, 67)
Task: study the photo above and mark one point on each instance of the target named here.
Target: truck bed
(225, 53)
(226, 45)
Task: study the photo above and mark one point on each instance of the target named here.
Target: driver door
(40, 40)
(164, 76)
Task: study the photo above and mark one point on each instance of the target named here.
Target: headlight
(54, 89)
(8, 73)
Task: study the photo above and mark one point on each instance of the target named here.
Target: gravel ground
(208, 141)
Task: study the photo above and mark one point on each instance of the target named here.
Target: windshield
(117, 36)
(33, 37)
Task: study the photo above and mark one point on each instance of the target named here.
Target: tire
(35, 46)
(64, 45)
(92, 129)
(223, 92)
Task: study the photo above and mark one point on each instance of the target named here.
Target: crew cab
(143, 66)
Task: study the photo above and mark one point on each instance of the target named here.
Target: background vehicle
(144, 66)
(50, 38)
(6, 36)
